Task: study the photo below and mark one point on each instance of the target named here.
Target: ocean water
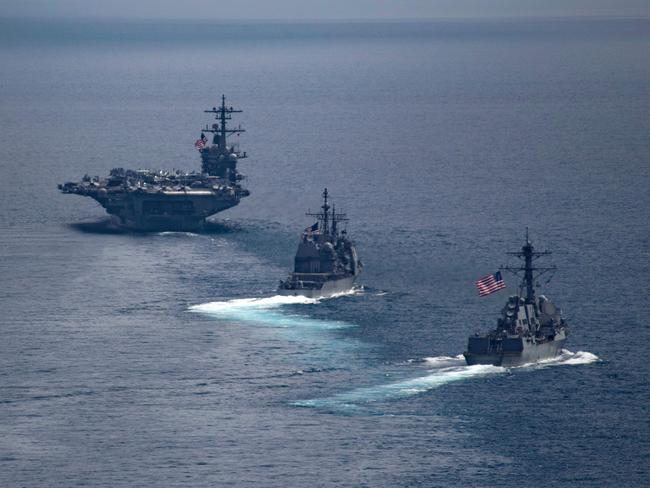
(166, 359)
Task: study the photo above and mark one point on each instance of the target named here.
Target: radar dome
(327, 248)
(549, 308)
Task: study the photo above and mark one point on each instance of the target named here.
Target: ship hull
(329, 288)
(170, 211)
(509, 352)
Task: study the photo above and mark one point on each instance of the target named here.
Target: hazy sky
(319, 9)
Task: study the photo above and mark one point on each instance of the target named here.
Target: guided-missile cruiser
(326, 262)
(531, 327)
(162, 200)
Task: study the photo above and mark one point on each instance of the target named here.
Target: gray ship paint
(530, 328)
(326, 262)
(162, 200)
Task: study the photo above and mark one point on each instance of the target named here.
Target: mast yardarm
(219, 159)
(530, 273)
(327, 220)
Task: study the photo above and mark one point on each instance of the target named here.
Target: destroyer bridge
(174, 200)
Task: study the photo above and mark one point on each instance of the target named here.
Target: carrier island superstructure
(160, 200)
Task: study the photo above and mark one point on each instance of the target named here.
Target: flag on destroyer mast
(490, 283)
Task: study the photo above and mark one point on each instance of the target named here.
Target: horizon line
(371, 20)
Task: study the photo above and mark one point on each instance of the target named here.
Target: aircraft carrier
(161, 200)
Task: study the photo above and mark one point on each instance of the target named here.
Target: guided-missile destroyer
(173, 200)
(326, 262)
(530, 328)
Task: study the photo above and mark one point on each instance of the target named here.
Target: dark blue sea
(167, 359)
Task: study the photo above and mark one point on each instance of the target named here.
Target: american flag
(490, 283)
(199, 144)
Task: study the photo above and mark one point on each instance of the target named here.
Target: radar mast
(530, 272)
(223, 114)
(219, 159)
(327, 221)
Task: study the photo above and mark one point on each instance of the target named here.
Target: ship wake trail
(172, 233)
(268, 311)
(356, 399)
(445, 370)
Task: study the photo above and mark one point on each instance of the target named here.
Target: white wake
(268, 311)
(445, 370)
(174, 233)
(566, 358)
(247, 303)
(356, 398)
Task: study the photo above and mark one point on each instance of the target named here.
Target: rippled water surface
(168, 360)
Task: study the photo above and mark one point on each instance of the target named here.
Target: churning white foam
(355, 290)
(247, 303)
(566, 358)
(445, 360)
(268, 302)
(580, 357)
(267, 311)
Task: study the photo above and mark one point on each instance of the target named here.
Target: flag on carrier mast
(200, 143)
